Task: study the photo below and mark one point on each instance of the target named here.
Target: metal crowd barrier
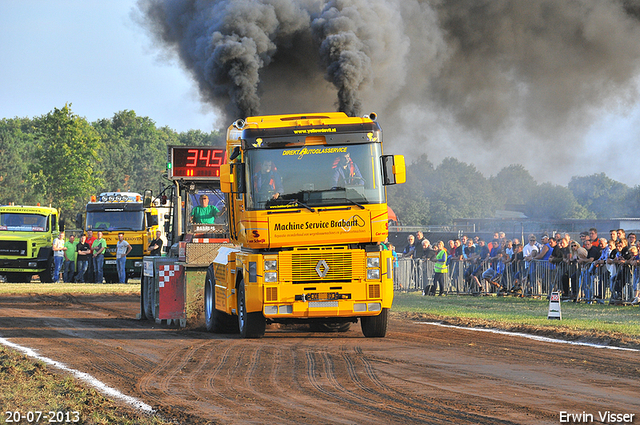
(535, 278)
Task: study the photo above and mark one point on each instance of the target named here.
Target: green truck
(26, 242)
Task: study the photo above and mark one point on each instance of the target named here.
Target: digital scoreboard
(195, 162)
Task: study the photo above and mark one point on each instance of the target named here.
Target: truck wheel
(47, 274)
(146, 292)
(151, 298)
(375, 326)
(216, 320)
(209, 302)
(252, 325)
(211, 318)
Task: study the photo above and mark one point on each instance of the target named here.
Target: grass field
(608, 323)
(69, 288)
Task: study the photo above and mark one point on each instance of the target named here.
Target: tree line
(435, 195)
(61, 159)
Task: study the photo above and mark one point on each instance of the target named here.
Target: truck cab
(307, 210)
(115, 212)
(26, 241)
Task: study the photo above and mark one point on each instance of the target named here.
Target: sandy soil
(419, 373)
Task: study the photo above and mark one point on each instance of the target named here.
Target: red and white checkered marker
(554, 306)
(165, 273)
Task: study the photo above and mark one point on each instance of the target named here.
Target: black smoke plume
(455, 78)
(228, 46)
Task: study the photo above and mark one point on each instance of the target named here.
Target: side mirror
(394, 170)
(235, 153)
(62, 223)
(232, 178)
(146, 201)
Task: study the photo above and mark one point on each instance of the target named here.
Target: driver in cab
(346, 172)
(204, 213)
(267, 182)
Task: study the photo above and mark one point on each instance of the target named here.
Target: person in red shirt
(88, 275)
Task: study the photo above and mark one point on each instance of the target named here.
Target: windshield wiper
(355, 203)
(296, 202)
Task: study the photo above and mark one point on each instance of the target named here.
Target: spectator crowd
(591, 269)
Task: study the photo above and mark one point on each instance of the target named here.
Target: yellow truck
(306, 209)
(115, 212)
(26, 242)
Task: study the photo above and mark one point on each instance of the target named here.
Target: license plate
(109, 261)
(323, 296)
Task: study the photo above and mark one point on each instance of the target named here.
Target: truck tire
(147, 299)
(251, 325)
(143, 297)
(210, 303)
(150, 304)
(375, 326)
(216, 321)
(46, 276)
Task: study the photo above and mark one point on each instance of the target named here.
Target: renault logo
(322, 268)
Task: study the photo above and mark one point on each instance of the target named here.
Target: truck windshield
(115, 220)
(22, 222)
(205, 211)
(312, 176)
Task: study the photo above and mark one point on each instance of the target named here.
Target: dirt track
(417, 374)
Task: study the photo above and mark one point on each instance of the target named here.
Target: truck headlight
(373, 274)
(271, 277)
(373, 262)
(270, 264)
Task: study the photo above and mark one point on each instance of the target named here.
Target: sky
(95, 56)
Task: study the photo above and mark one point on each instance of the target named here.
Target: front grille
(13, 248)
(318, 265)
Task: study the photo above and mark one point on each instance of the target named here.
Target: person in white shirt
(529, 252)
(58, 256)
(123, 248)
